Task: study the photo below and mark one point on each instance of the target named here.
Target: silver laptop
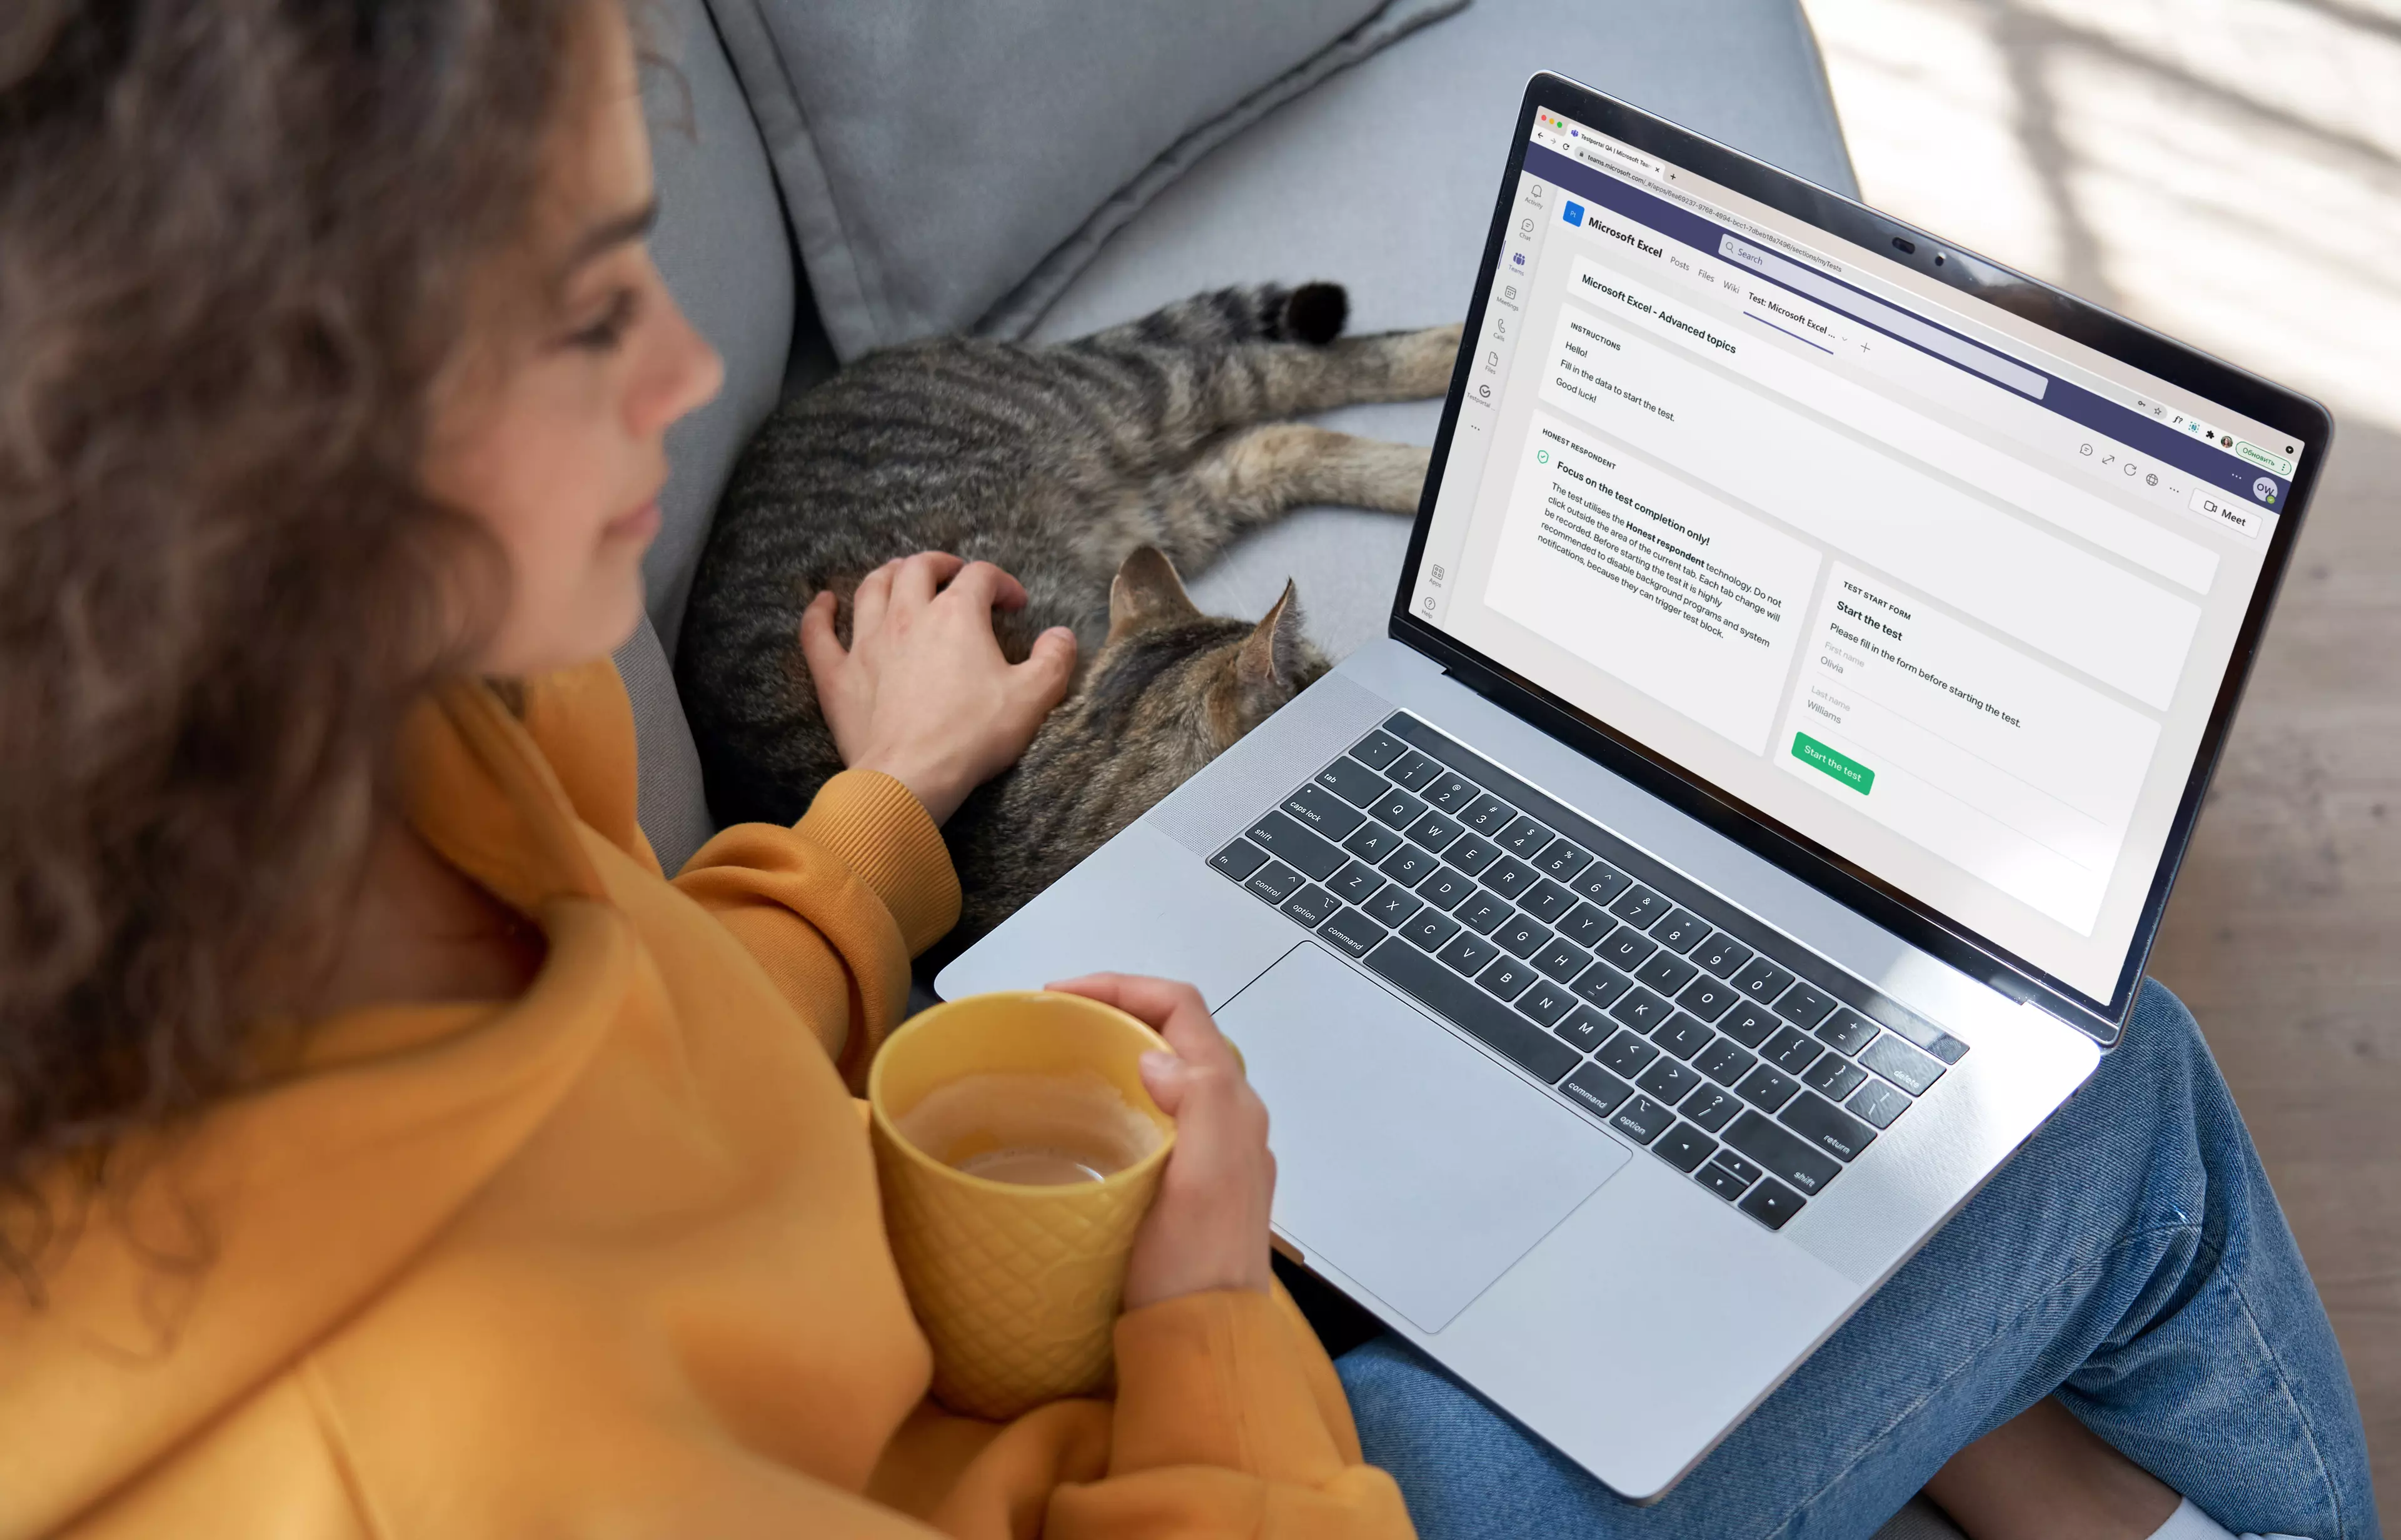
(1812, 650)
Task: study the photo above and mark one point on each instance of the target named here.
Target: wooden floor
(2230, 171)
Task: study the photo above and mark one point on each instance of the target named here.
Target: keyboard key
(1584, 1026)
(1762, 979)
(1353, 782)
(1410, 866)
(1322, 811)
(1485, 1019)
(1483, 913)
(1444, 887)
(1397, 809)
(1902, 1064)
(1627, 1054)
(1765, 1089)
(1468, 954)
(1804, 1003)
(1278, 835)
(1638, 907)
(1750, 1025)
(1683, 1035)
(1724, 1061)
(1602, 985)
(1450, 793)
(1641, 1009)
(1790, 1049)
(1373, 842)
(1878, 1103)
(1626, 949)
(1524, 837)
(1357, 882)
(1377, 749)
(1665, 972)
(1393, 906)
(1472, 854)
(1596, 1089)
(1669, 1079)
(1600, 881)
(1835, 1076)
(1415, 772)
(1507, 977)
(1944, 1047)
(1642, 1119)
(1784, 1154)
(1685, 1147)
(1585, 926)
(1275, 882)
(1353, 931)
(1707, 999)
(1737, 1167)
(1521, 935)
(1312, 906)
(1681, 931)
(1488, 815)
(1434, 831)
(1722, 1182)
(1431, 929)
(1711, 1107)
(1239, 859)
(1772, 1203)
(1547, 901)
(1721, 955)
(1827, 1126)
(1546, 1002)
(1509, 877)
(1847, 1030)
(1561, 860)
(1562, 960)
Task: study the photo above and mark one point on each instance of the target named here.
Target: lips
(641, 523)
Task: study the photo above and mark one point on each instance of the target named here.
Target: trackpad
(1405, 1156)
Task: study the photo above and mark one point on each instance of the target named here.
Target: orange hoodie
(607, 1259)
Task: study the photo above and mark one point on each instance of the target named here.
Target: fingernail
(1156, 1063)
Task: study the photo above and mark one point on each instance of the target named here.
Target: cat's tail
(1312, 314)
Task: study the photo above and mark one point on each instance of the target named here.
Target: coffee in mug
(1030, 1130)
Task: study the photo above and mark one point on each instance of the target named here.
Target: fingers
(821, 649)
(986, 586)
(1050, 668)
(867, 606)
(1176, 1010)
(918, 576)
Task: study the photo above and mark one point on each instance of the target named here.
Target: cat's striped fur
(1062, 465)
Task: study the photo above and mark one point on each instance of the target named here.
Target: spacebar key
(1492, 1023)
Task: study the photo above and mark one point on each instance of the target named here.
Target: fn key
(1239, 859)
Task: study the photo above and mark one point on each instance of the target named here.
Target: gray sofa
(1379, 176)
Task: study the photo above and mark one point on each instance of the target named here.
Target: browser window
(1947, 593)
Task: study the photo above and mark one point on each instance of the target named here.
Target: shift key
(1278, 835)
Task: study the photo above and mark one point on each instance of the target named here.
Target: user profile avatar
(2264, 489)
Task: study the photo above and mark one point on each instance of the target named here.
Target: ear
(1147, 593)
(1268, 668)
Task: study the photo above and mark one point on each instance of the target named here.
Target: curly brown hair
(237, 244)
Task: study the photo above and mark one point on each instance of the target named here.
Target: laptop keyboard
(1686, 1025)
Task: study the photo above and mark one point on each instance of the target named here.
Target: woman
(388, 1147)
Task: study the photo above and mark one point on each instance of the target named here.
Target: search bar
(1991, 365)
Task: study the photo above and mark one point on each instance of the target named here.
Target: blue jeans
(2130, 1259)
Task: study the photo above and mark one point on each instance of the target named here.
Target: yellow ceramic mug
(1016, 1282)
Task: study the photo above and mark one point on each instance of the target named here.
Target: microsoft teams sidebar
(1951, 595)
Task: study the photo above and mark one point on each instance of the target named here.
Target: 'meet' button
(1833, 762)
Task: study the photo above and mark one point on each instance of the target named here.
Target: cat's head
(1179, 687)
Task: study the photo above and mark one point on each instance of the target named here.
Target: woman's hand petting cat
(923, 693)
(1208, 1227)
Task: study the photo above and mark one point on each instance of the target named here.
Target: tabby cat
(1090, 470)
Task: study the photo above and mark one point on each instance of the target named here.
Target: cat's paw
(1421, 362)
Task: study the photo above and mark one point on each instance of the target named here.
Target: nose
(687, 375)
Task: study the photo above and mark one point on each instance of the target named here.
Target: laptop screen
(1949, 593)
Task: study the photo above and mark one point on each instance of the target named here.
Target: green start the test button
(1833, 762)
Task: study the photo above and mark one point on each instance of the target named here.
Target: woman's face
(551, 427)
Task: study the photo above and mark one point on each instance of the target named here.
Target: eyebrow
(611, 233)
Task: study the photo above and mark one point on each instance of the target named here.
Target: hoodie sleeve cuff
(1217, 1380)
(879, 828)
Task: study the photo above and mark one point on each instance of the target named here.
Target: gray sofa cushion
(1383, 178)
(932, 155)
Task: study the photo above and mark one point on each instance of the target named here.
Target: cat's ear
(1268, 667)
(1147, 593)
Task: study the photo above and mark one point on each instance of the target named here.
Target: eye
(603, 335)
